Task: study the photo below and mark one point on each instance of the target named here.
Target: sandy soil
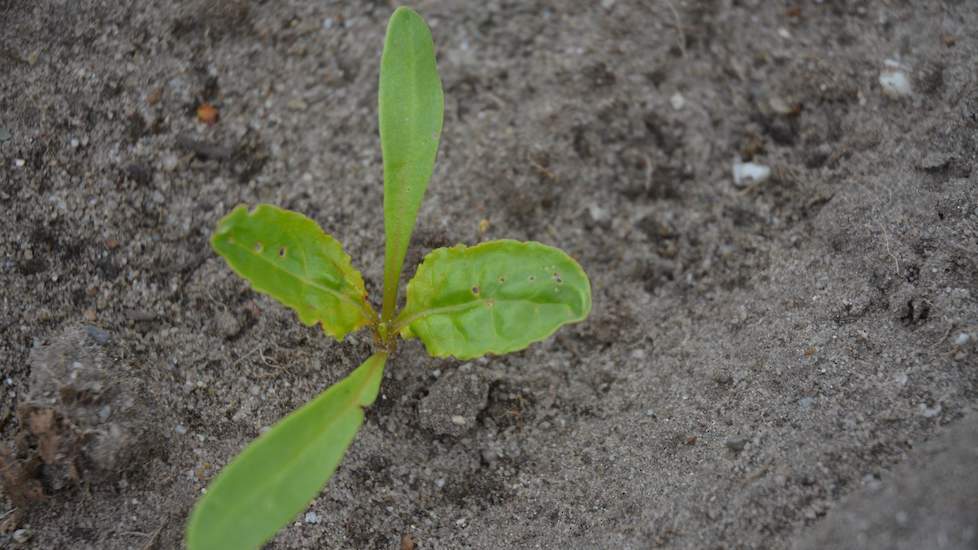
(759, 355)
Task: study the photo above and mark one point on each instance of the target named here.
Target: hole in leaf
(259, 247)
(281, 252)
(475, 290)
(532, 278)
(501, 279)
(557, 278)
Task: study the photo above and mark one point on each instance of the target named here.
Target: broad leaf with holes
(287, 256)
(495, 297)
(410, 111)
(283, 470)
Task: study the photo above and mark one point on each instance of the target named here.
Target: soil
(759, 354)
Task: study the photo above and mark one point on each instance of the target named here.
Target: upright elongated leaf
(287, 256)
(410, 108)
(495, 297)
(277, 476)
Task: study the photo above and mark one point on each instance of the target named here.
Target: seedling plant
(465, 302)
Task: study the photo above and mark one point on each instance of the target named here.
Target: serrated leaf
(410, 109)
(276, 477)
(495, 297)
(287, 256)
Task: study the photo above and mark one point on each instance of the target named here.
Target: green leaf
(277, 476)
(495, 297)
(410, 109)
(287, 256)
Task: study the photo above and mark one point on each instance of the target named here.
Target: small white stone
(19, 163)
(169, 163)
(21, 536)
(895, 83)
(440, 482)
(962, 339)
(745, 173)
(930, 412)
(312, 517)
(783, 33)
(677, 101)
(458, 420)
(328, 23)
(180, 429)
(598, 214)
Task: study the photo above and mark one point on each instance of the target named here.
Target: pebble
(677, 101)
(930, 412)
(962, 339)
(21, 536)
(440, 482)
(894, 80)
(227, 324)
(458, 420)
(19, 163)
(745, 173)
(780, 106)
(935, 161)
(169, 163)
(180, 429)
(97, 334)
(312, 517)
(296, 105)
(736, 444)
(598, 215)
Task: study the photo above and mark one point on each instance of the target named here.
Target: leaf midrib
(338, 294)
(400, 324)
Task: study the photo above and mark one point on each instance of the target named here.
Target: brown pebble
(154, 96)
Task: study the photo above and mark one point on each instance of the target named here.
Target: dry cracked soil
(785, 362)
